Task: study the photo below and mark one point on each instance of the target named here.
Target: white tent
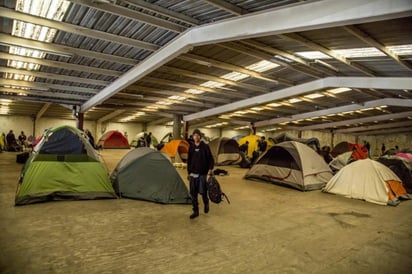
(294, 164)
(367, 180)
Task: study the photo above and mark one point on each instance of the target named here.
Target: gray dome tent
(293, 164)
(225, 151)
(147, 174)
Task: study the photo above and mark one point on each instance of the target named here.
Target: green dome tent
(148, 174)
(63, 166)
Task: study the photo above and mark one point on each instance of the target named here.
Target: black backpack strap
(227, 199)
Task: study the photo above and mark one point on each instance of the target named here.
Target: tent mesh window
(278, 156)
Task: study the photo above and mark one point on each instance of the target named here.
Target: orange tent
(177, 150)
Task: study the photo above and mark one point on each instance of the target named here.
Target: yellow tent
(253, 143)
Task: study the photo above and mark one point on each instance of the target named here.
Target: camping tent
(63, 166)
(367, 180)
(253, 143)
(340, 161)
(140, 136)
(358, 152)
(311, 142)
(401, 167)
(113, 139)
(293, 164)
(148, 174)
(225, 151)
(177, 150)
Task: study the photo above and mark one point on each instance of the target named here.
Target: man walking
(199, 163)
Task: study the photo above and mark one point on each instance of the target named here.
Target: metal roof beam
(233, 9)
(324, 14)
(189, 86)
(200, 97)
(257, 53)
(223, 65)
(57, 64)
(308, 43)
(61, 50)
(42, 93)
(384, 117)
(350, 82)
(110, 115)
(42, 111)
(75, 29)
(373, 42)
(207, 77)
(386, 131)
(314, 70)
(374, 127)
(163, 11)
(45, 86)
(131, 14)
(335, 110)
(53, 76)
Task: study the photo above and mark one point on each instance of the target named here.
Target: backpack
(215, 192)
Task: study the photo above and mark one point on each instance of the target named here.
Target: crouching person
(199, 163)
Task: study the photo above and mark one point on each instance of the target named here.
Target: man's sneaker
(206, 208)
(194, 215)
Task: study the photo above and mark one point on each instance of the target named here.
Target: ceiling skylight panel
(273, 105)
(313, 55)
(194, 91)
(235, 76)
(338, 90)
(359, 52)
(51, 9)
(166, 103)
(314, 95)
(178, 98)
(262, 66)
(401, 49)
(22, 65)
(294, 100)
(32, 31)
(212, 84)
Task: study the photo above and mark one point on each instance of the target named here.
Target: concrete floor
(265, 229)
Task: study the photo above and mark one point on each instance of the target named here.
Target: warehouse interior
(332, 70)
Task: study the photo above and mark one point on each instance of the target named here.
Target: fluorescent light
(314, 95)
(338, 90)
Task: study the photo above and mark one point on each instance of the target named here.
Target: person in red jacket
(200, 162)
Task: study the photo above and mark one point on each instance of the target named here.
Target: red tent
(359, 152)
(113, 139)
